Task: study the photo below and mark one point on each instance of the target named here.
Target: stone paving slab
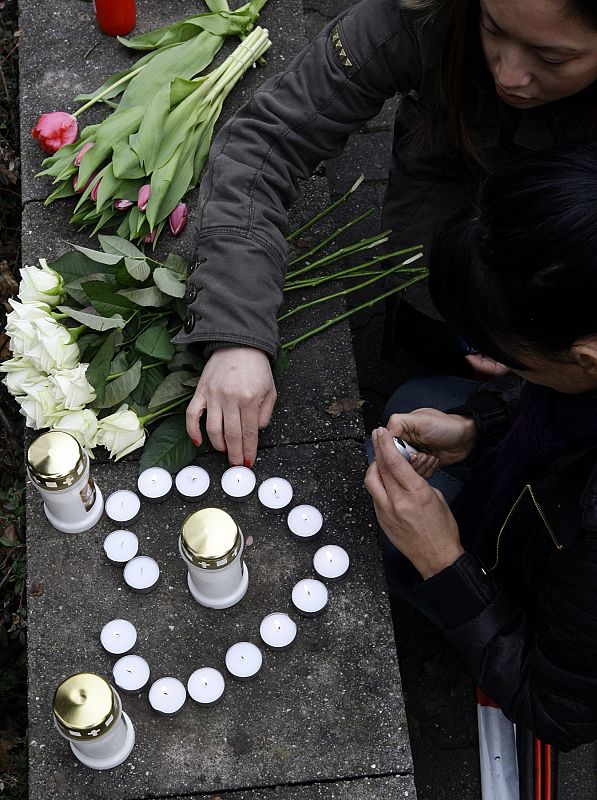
(328, 709)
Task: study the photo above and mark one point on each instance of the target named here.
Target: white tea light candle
(167, 696)
(155, 484)
(142, 574)
(243, 660)
(118, 636)
(310, 597)
(192, 482)
(131, 673)
(278, 630)
(275, 494)
(331, 562)
(59, 469)
(123, 506)
(87, 711)
(206, 686)
(305, 522)
(120, 546)
(238, 483)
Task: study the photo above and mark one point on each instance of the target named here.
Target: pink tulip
(122, 205)
(93, 194)
(178, 219)
(54, 130)
(150, 237)
(143, 196)
(81, 189)
(87, 146)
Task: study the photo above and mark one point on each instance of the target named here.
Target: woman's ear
(584, 353)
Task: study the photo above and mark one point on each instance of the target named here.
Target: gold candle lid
(210, 538)
(55, 460)
(85, 706)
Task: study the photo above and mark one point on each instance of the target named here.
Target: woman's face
(536, 52)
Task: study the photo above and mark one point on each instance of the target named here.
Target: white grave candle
(123, 506)
(243, 660)
(206, 686)
(131, 673)
(120, 546)
(118, 636)
(305, 522)
(155, 484)
(192, 482)
(278, 630)
(275, 494)
(310, 597)
(167, 696)
(238, 483)
(142, 574)
(331, 562)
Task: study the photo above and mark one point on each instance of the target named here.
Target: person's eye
(554, 62)
(489, 28)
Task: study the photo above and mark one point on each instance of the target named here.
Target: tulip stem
(110, 88)
(150, 417)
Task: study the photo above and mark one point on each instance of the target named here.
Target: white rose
(82, 425)
(121, 432)
(18, 371)
(73, 390)
(56, 349)
(19, 326)
(39, 405)
(41, 285)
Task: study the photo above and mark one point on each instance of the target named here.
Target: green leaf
(150, 380)
(116, 128)
(155, 342)
(185, 358)
(125, 162)
(98, 256)
(124, 279)
(74, 265)
(146, 297)
(66, 189)
(118, 246)
(119, 363)
(169, 282)
(171, 387)
(177, 263)
(105, 300)
(169, 446)
(94, 321)
(99, 368)
(120, 388)
(146, 143)
(137, 268)
(75, 290)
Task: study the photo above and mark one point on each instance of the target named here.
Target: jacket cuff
(459, 592)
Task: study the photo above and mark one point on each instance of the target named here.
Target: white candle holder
(275, 495)
(154, 484)
(88, 713)
(211, 544)
(59, 469)
(206, 686)
(120, 546)
(331, 562)
(238, 483)
(192, 483)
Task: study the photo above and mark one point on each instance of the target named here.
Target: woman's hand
(414, 516)
(449, 438)
(237, 390)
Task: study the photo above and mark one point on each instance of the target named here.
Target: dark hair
(519, 274)
(458, 62)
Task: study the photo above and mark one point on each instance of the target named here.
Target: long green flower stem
(346, 273)
(115, 375)
(322, 214)
(345, 292)
(161, 411)
(222, 80)
(343, 252)
(335, 320)
(94, 100)
(331, 237)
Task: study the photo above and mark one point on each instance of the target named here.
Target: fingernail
(374, 435)
(247, 462)
(196, 442)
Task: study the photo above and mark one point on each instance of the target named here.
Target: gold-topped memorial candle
(211, 544)
(59, 469)
(88, 713)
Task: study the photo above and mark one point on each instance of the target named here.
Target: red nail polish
(196, 442)
(247, 462)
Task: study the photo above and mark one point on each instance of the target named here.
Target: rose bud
(150, 237)
(87, 146)
(178, 219)
(143, 196)
(93, 193)
(81, 189)
(122, 205)
(54, 130)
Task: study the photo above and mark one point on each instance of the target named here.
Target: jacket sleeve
(294, 121)
(541, 671)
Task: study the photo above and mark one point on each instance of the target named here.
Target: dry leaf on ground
(344, 406)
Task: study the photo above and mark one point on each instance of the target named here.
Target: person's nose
(512, 69)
